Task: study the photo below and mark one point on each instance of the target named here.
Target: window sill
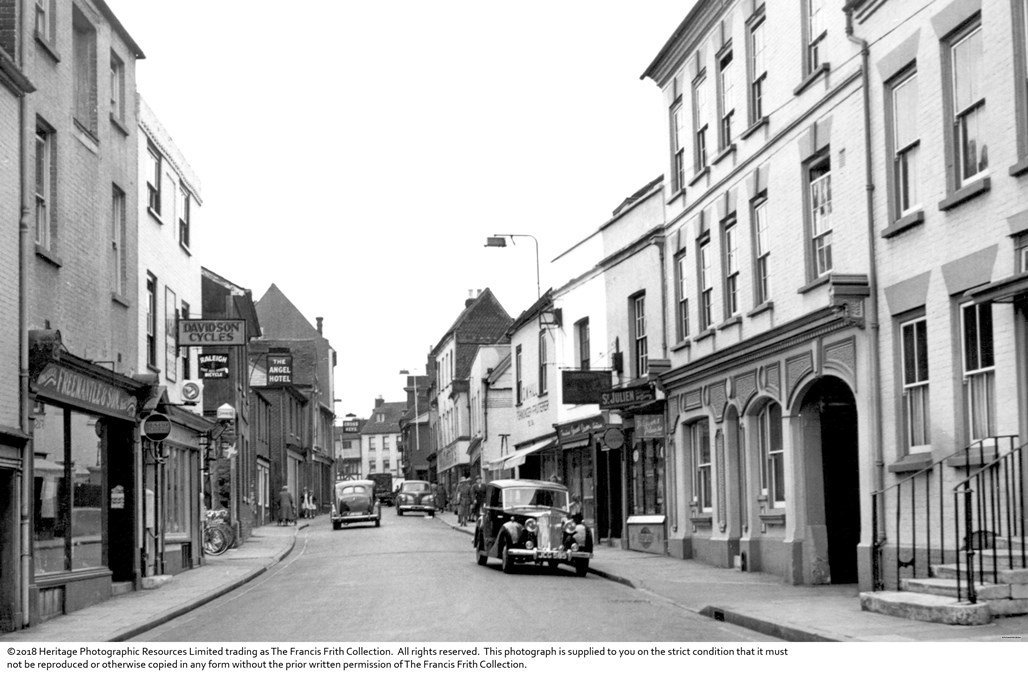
(88, 137)
(903, 224)
(185, 248)
(760, 123)
(816, 283)
(120, 125)
(120, 299)
(724, 153)
(728, 323)
(153, 368)
(680, 193)
(772, 518)
(911, 462)
(48, 256)
(709, 333)
(48, 47)
(974, 460)
(699, 175)
(702, 519)
(681, 345)
(760, 309)
(1020, 168)
(155, 215)
(962, 195)
(811, 77)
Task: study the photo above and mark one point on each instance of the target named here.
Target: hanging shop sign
(613, 438)
(213, 365)
(72, 387)
(623, 398)
(649, 426)
(351, 426)
(280, 369)
(584, 387)
(190, 391)
(211, 332)
(156, 427)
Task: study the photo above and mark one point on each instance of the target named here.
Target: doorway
(608, 493)
(835, 454)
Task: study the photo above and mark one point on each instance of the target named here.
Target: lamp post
(500, 240)
(417, 436)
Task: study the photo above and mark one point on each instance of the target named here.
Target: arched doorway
(832, 476)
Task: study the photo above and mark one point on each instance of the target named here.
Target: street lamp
(500, 240)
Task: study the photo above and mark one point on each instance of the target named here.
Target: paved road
(415, 579)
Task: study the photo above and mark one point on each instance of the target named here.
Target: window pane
(51, 519)
(971, 357)
(985, 335)
(921, 329)
(774, 414)
(904, 98)
(87, 494)
(967, 71)
(909, 346)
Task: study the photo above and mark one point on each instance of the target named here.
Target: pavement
(758, 601)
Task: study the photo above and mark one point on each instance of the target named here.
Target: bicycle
(218, 535)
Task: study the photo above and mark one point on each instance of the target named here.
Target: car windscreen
(342, 490)
(415, 487)
(534, 497)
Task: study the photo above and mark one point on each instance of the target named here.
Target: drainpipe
(27, 449)
(872, 313)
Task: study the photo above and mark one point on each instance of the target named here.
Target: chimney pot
(319, 319)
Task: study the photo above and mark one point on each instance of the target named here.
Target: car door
(492, 516)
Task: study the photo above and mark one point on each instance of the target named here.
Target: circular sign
(190, 391)
(613, 438)
(646, 537)
(156, 427)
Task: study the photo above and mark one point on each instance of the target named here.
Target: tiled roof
(391, 412)
(280, 319)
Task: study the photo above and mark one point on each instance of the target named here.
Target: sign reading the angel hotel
(211, 332)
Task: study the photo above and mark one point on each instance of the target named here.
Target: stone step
(923, 607)
(121, 588)
(949, 587)
(1017, 576)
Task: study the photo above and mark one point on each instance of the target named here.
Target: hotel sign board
(623, 398)
(280, 369)
(211, 332)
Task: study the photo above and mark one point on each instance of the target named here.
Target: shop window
(772, 455)
(699, 440)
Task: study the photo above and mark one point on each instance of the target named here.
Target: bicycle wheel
(230, 534)
(214, 541)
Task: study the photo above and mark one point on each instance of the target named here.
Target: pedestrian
(477, 496)
(463, 500)
(440, 497)
(286, 515)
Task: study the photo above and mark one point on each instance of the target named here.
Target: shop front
(85, 483)
(579, 441)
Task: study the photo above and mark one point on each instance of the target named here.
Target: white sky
(357, 154)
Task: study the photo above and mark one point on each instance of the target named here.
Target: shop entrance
(832, 454)
(8, 559)
(608, 494)
(117, 444)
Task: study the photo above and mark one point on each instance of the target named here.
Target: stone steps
(919, 606)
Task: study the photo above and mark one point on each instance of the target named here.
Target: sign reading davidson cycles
(211, 332)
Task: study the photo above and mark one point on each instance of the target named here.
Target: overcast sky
(357, 154)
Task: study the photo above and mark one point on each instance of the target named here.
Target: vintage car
(415, 495)
(529, 522)
(355, 503)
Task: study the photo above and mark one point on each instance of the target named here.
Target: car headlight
(531, 525)
(569, 527)
(428, 499)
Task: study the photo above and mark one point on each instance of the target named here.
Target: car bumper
(354, 518)
(416, 507)
(539, 555)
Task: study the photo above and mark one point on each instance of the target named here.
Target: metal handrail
(879, 523)
(994, 510)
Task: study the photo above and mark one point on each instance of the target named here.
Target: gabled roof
(280, 319)
(484, 320)
(391, 413)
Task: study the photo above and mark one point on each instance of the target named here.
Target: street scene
(754, 370)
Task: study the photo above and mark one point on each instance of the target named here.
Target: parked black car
(529, 521)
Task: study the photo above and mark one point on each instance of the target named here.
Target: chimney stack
(379, 401)
(319, 319)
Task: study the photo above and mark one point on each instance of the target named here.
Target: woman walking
(286, 515)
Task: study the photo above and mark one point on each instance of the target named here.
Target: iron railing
(992, 523)
(917, 532)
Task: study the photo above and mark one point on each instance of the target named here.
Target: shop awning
(517, 457)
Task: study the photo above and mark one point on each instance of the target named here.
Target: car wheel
(508, 560)
(581, 567)
(480, 556)
(399, 512)
(336, 525)
(378, 522)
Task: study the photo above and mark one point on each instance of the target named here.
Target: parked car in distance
(415, 495)
(354, 502)
(383, 487)
(529, 522)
